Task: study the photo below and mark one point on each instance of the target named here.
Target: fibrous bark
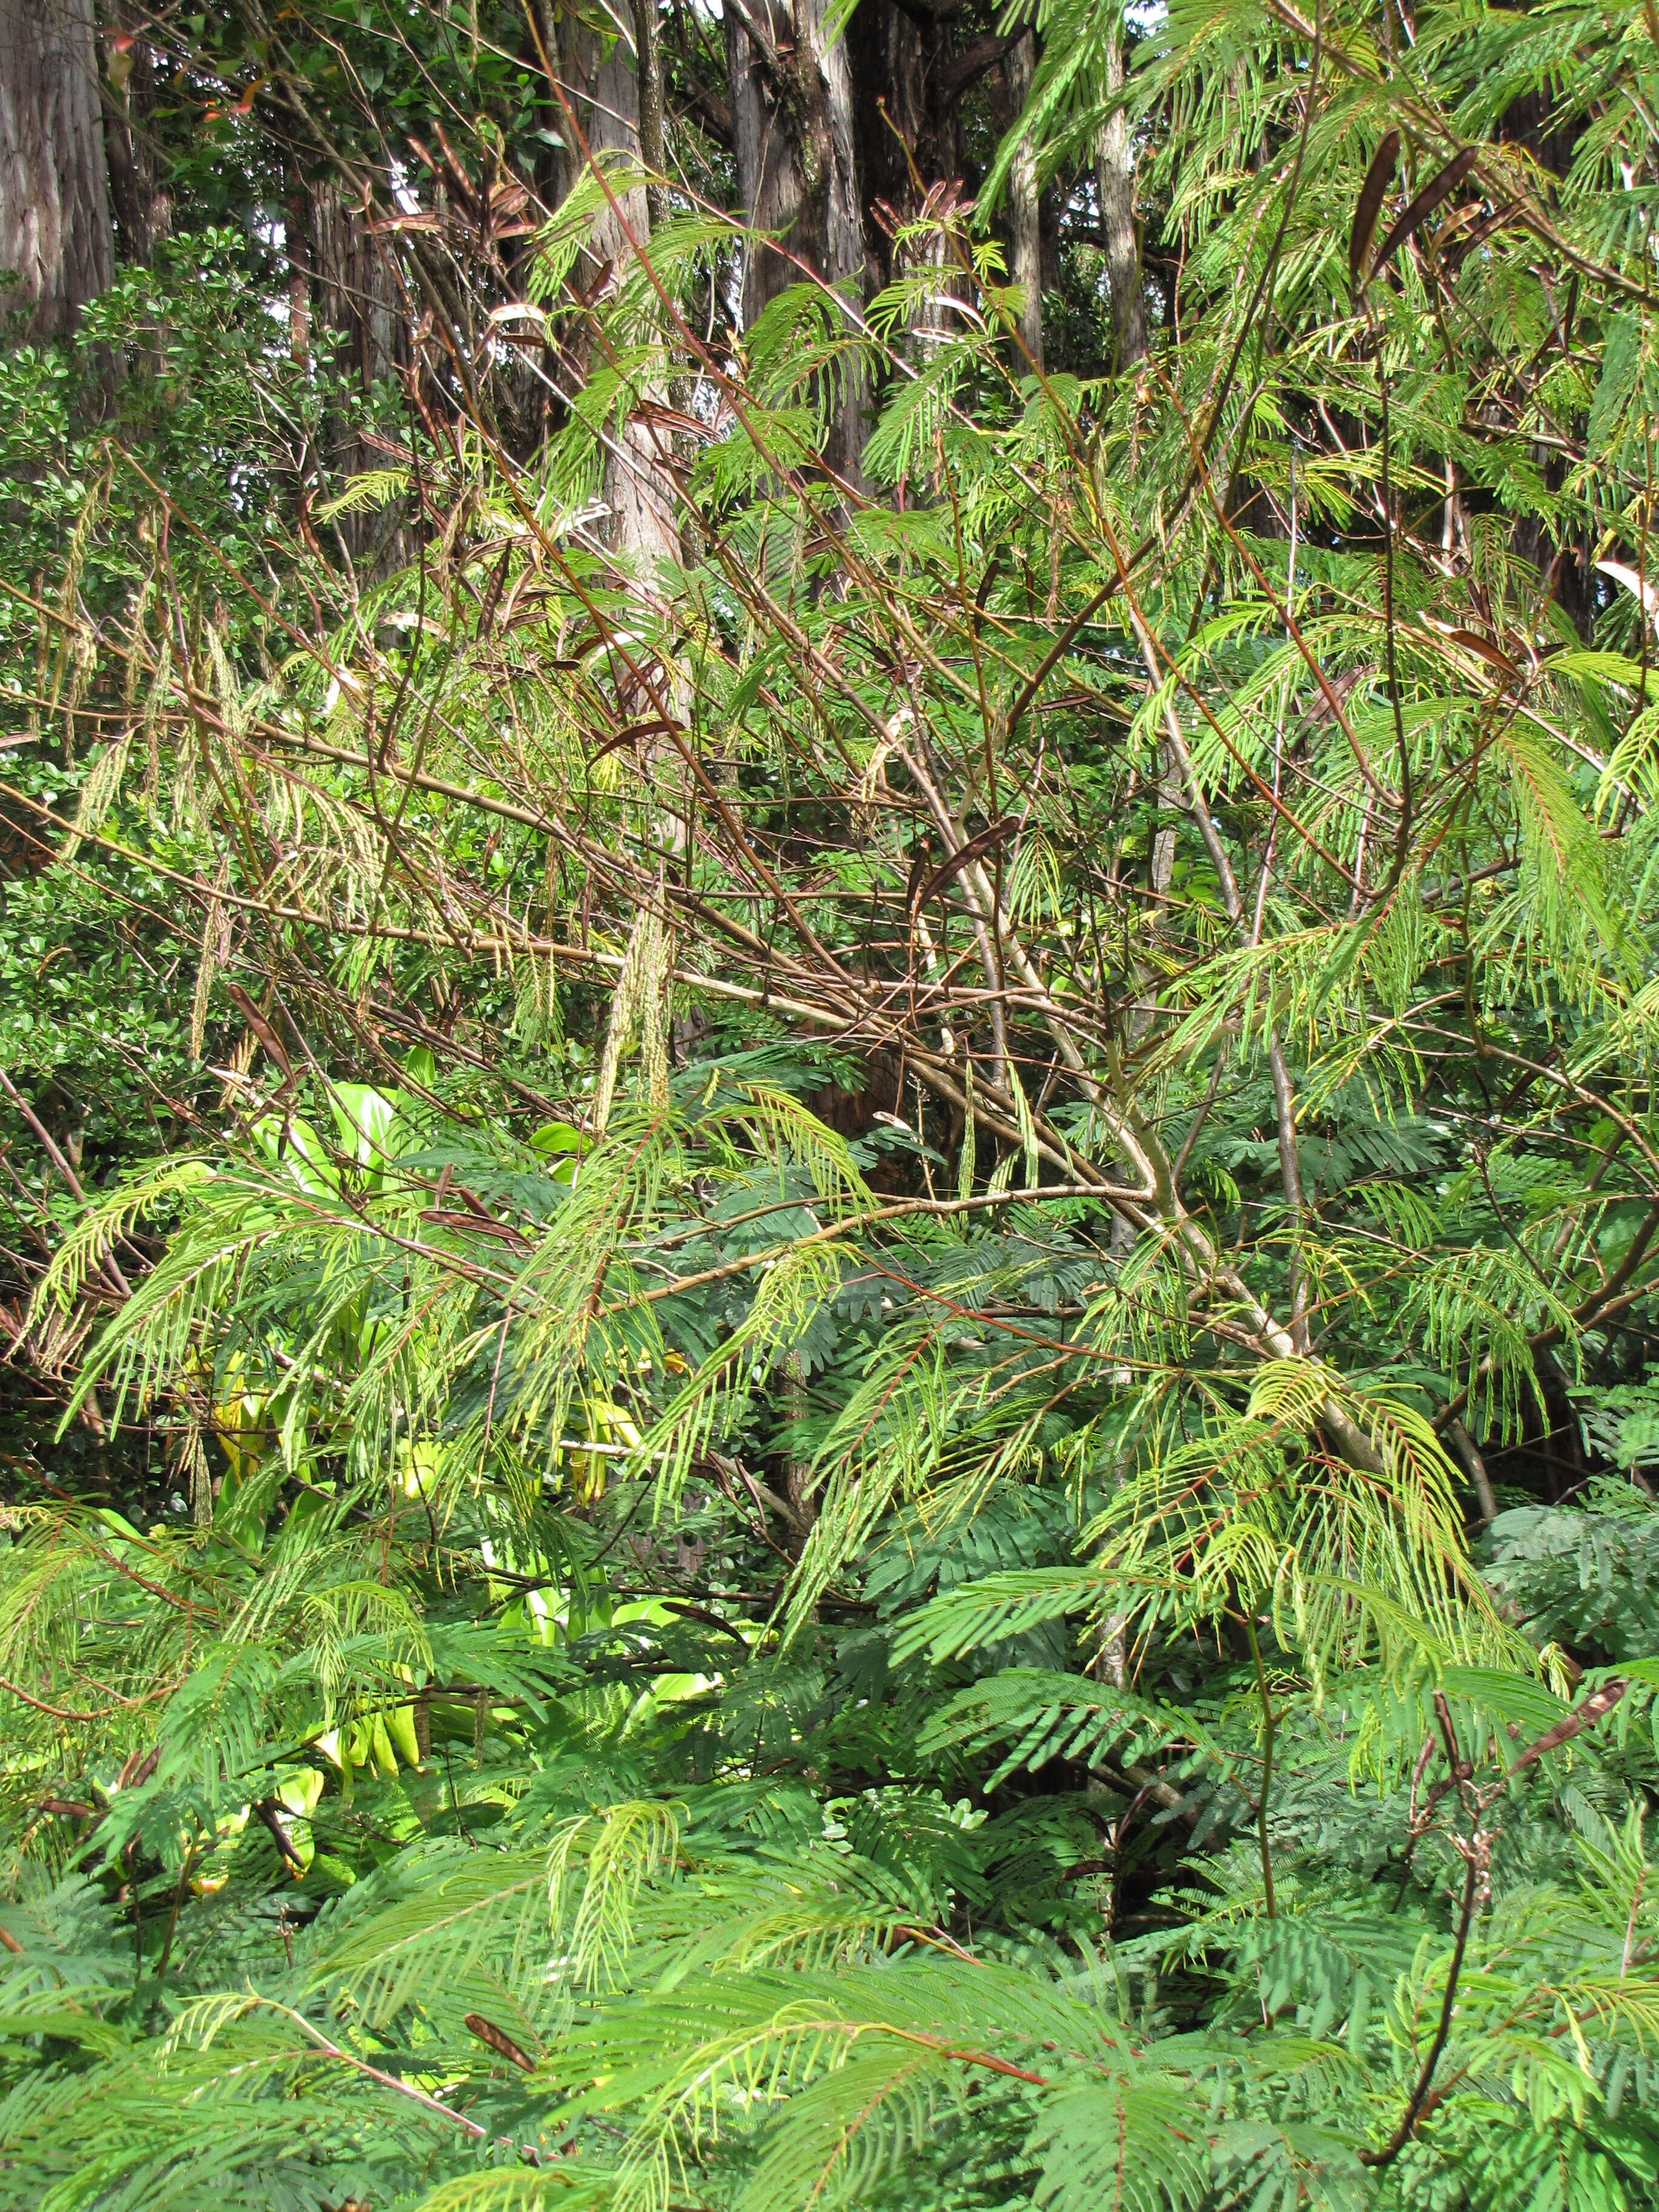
(1115, 172)
(648, 78)
(601, 74)
(355, 302)
(54, 189)
(792, 119)
(355, 294)
(1024, 207)
(138, 191)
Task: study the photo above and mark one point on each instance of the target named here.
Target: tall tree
(139, 191)
(1024, 205)
(791, 118)
(601, 73)
(54, 189)
(343, 296)
(1115, 177)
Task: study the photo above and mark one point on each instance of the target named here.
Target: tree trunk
(604, 88)
(356, 296)
(1024, 206)
(792, 120)
(911, 76)
(648, 77)
(54, 189)
(908, 101)
(144, 211)
(1115, 168)
(296, 231)
(354, 299)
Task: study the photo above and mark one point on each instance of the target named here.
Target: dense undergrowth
(876, 1427)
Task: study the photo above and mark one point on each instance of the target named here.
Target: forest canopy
(828, 1155)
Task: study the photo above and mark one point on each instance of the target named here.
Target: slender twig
(1475, 1852)
(105, 1258)
(185, 1873)
(1267, 1768)
(396, 2083)
(1177, 1166)
(56, 1711)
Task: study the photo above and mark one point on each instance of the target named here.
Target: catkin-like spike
(654, 1042)
(639, 987)
(76, 650)
(99, 792)
(965, 1171)
(231, 701)
(216, 950)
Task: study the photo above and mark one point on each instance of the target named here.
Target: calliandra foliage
(707, 1649)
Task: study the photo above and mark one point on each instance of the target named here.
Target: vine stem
(1267, 1767)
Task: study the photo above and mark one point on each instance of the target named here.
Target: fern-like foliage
(895, 1444)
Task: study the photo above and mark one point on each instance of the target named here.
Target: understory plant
(896, 1414)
